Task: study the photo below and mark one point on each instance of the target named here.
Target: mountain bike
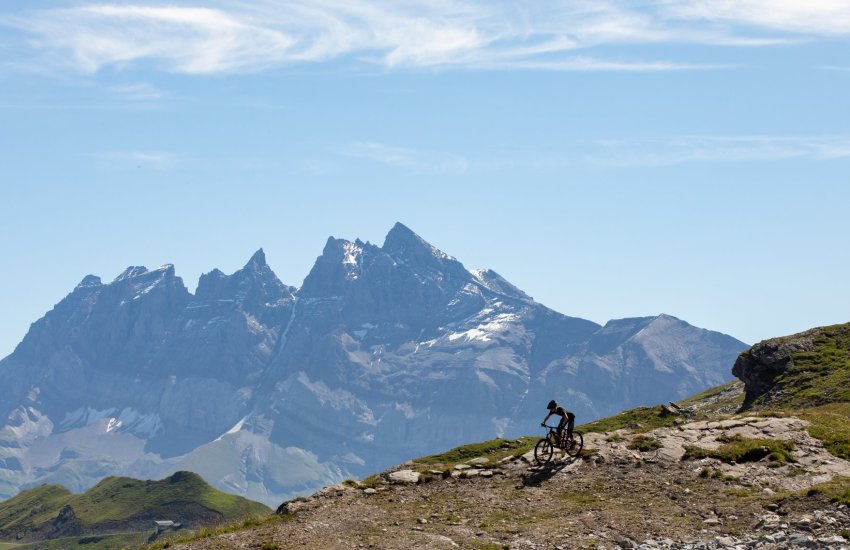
(545, 448)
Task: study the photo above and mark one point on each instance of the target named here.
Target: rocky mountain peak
(90, 281)
(137, 274)
(255, 279)
(258, 260)
(402, 241)
(131, 272)
(409, 249)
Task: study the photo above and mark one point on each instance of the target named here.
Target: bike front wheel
(543, 451)
(575, 445)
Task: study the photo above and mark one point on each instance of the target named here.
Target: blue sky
(611, 159)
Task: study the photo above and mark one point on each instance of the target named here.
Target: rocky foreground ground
(615, 496)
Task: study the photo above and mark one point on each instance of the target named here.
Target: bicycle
(545, 448)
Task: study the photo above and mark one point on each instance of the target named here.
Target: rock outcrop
(759, 367)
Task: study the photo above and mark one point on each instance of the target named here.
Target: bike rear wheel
(575, 445)
(543, 451)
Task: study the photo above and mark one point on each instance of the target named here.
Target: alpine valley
(270, 391)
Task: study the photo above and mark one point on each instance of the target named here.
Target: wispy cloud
(235, 35)
(811, 17)
(706, 149)
(178, 39)
(419, 160)
(156, 160)
(617, 153)
(140, 91)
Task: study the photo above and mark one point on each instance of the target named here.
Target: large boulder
(759, 367)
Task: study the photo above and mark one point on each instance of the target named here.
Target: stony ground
(613, 497)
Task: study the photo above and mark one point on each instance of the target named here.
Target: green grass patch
(494, 450)
(250, 523)
(371, 482)
(477, 545)
(119, 501)
(726, 397)
(831, 425)
(837, 490)
(33, 506)
(119, 498)
(644, 444)
(90, 542)
(639, 419)
(739, 493)
(744, 449)
(716, 401)
(817, 377)
(579, 498)
(9, 545)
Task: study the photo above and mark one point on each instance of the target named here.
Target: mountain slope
(718, 474)
(270, 391)
(119, 504)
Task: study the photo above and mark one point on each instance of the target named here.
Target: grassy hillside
(116, 499)
(714, 402)
(120, 504)
(32, 506)
(121, 541)
(817, 376)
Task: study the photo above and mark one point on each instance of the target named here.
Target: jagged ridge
(269, 391)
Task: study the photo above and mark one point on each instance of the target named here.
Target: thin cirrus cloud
(156, 160)
(811, 17)
(707, 149)
(237, 36)
(615, 153)
(417, 160)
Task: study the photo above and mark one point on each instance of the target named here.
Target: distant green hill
(119, 504)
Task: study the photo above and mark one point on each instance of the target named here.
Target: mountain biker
(567, 418)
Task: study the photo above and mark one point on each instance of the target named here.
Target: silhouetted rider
(567, 418)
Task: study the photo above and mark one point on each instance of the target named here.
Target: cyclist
(567, 418)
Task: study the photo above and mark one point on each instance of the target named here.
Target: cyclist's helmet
(552, 404)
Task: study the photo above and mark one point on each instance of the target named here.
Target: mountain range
(268, 390)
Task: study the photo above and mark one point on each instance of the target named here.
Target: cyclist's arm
(547, 418)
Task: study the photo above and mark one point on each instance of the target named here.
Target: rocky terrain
(269, 391)
(723, 469)
(615, 495)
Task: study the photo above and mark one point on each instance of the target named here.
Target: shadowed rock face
(383, 354)
(759, 367)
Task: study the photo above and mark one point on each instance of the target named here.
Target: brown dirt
(592, 503)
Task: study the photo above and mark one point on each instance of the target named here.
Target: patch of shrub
(644, 443)
(744, 449)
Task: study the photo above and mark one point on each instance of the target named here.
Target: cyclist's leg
(571, 422)
(561, 425)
